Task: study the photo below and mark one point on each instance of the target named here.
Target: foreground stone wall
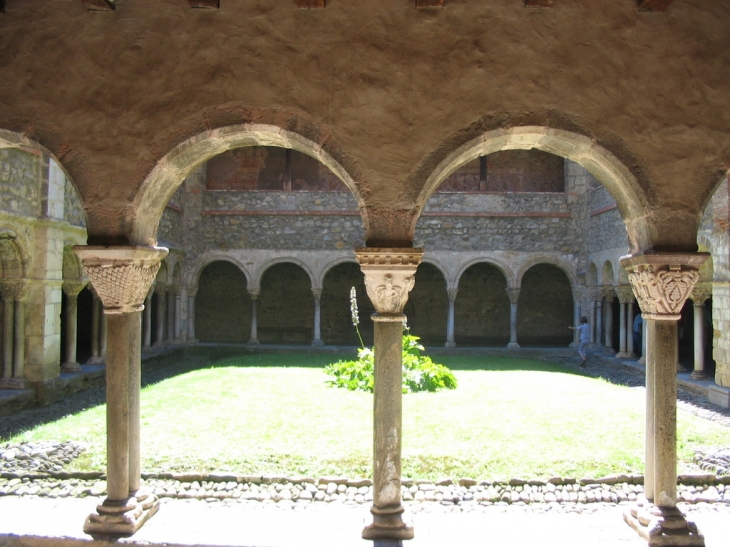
(20, 182)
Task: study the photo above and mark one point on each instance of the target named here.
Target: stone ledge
(718, 395)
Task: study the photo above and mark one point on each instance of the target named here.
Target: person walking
(584, 337)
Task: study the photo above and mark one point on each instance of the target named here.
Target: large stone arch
(507, 272)
(607, 275)
(261, 270)
(14, 254)
(564, 265)
(170, 171)
(613, 173)
(318, 282)
(194, 275)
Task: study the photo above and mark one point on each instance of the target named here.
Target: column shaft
(608, 337)
(622, 329)
(170, 316)
(95, 327)
(513, 326)
(254, 328)
(135, 387)
(599, 323)
(19, 340)
(649, 433)
(317, 341)
(160, 335)
(191, 318)
(147, 321)
(71, 325)
(102, 335)
(450, 343)
(576, 320)
(178, 317)
(8, 336)
(593, 322)
(699, 346)
(117, 406)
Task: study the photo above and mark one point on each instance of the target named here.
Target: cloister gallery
(172, 175)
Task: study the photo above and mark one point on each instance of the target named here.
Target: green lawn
(274, 414)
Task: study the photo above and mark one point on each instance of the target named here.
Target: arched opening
(222, 305)
(337, 327)
(286, 305)
(428, 305)
(482, 307)
(545, 307)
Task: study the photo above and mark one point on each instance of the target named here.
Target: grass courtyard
(274, 414)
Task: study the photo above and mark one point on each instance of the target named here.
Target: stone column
(599, 322)
(177, 329)
(122, 277)
(389, 277)
(191, 315)
(630, 349)
(700, 294)
(577, 297)
(171, 298)
(608, 325)
(8, 331)
(161, 291)
(254, 340)
(21, 293)
(102, 336)
(625, 295)
(317, 341)
(662, 282)
(147, 322)
(644, 344)
(95, 358)
(514, 295)
(71, 289)
(593, 322)
(450, 343)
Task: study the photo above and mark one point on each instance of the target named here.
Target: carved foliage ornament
(662, 283)
(122, 276)
(625, 294)
(389, 276)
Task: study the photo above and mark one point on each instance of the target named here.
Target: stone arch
(559, 263)
(607, 277)
(623, 276)
(71, 266)
(592, 275)
(176, 275)
(507, 272)
(614, 174)
(170, 171)
(261, 270)
(450, 283)
(163, 276)
(222, 303)
(194, 276)
(14, 256)
(319, 281)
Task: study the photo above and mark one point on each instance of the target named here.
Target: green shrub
(420, 373)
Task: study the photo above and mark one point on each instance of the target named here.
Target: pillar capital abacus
(625, 294)
(452, 294)
(662, 282)
(513, 294)
(73, 288)
(17, 290)
(389, 275)
(700, 293)
(121, 275)
(254, 293)
(608, 293)
(317, 293)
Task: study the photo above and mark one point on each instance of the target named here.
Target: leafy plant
(420, 373)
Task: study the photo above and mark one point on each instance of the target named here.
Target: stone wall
(482, 308)
(73, 211)
(171, 231)
(286, 306)
(605, 228)
(222, 305)
(278, 201)
(545, 307)
(20, 183)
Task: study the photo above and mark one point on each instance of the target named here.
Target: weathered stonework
(20, 182)
(389, 276)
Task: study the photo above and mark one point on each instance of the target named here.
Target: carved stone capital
(161, 288)
(700, 293)
(662, 282)
(73, 288)
(452, 294)
(608, 293)
(579, 292)
(514, 295)
(254, 293)
(15, 290)
(625, 294)
(389, 275)
(122, 275)
(317, 293)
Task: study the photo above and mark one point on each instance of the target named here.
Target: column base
(317, 343)
(70, 367)
(254, 343)
(664, 526)
(513, 345)
(389, 524)
(121, 518)
(699, 375)
(14, 383)
(625, 355)
(641, 361)
(451, 344)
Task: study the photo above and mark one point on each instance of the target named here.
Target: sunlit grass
(274, 414)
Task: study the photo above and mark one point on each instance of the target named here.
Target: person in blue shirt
(584, 338)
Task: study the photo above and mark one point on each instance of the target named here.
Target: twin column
(122, 277)
(14, 294)
(662, 282)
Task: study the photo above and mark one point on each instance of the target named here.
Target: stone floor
(29, 521)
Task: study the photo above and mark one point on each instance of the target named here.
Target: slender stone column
(171, 298)
(102, 336)
(389, 277)
(450, 343)
(625, 295)
(191, 315)
(630, 349)
(147, 322)
(514, 295)
(8, 331)
(71, 289)
(577, 298)
(700, 294)
(177, 329)
(122, 277)
(254, 340)
(95, 358)
(593, 322)
(161, 307)
(608, 325)
(599, 322)
(644, 344)
(662, 282)
(317, 341)
(21, 295)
